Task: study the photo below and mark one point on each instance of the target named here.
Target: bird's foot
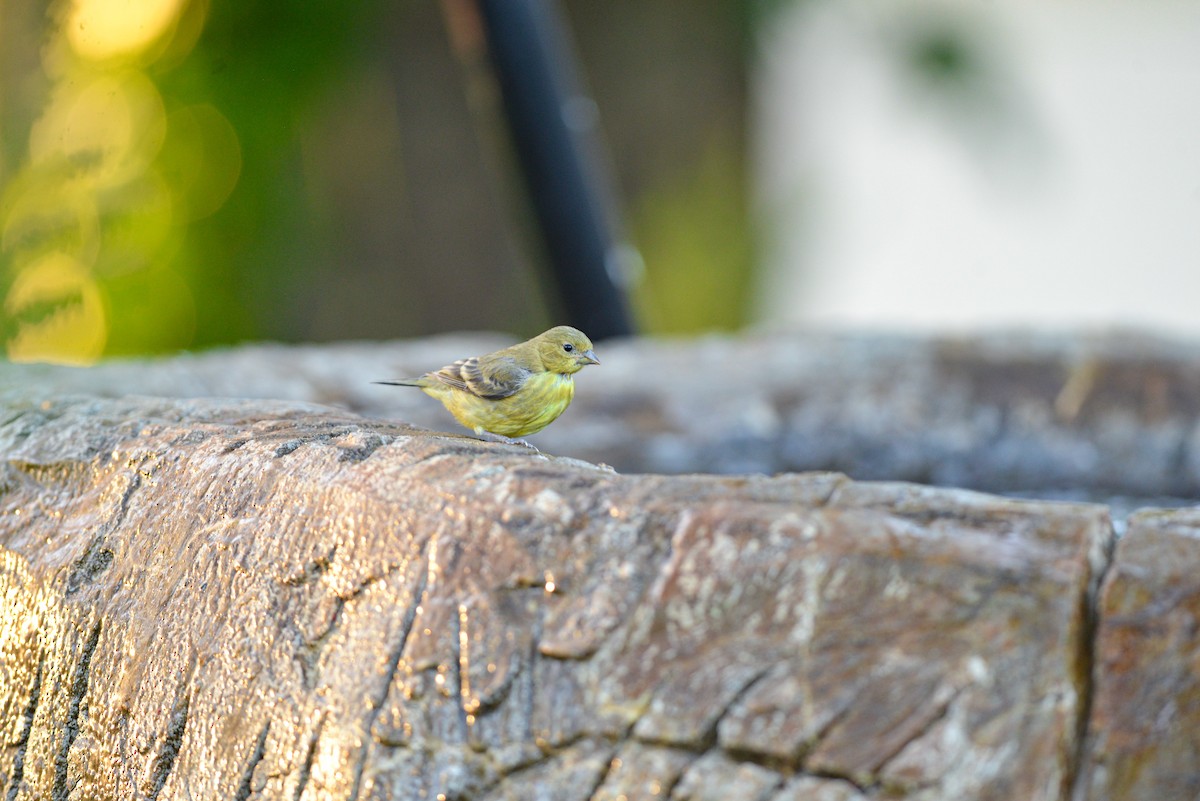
(488, 435)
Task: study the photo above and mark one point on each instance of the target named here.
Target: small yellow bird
(513, 392)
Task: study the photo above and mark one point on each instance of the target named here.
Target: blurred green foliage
(266, 67)
(693, 231)
(186, 173)
(157, 194)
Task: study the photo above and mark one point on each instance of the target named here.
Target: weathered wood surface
(1087, 417)
(211, 598)
(1145, 727)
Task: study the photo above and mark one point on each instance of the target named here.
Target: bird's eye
(568, 347)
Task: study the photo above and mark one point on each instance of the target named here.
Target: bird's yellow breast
(537, 404)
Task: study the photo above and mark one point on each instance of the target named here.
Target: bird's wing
(488, 377)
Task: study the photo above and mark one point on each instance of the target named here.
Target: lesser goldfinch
(513, 392)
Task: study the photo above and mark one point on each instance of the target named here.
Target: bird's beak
(588, 357)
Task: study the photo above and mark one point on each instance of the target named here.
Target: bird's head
(565, 350)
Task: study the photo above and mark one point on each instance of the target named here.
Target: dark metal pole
(553, 126)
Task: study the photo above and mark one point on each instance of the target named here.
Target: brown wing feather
(494, 378)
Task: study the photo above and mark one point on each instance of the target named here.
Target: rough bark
(1084, 418)
(1145, 735)
(205, 598)
(213, 599)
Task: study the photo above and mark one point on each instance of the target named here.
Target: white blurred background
(963, 165)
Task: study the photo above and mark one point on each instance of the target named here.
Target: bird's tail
(401, 382)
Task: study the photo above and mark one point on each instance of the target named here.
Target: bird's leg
(488, 435)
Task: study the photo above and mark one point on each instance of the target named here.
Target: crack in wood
(1074, 776)
(942, 711)
(406, 627)
(309, 649)
(308, 653)
(22, 744)
(460, 682)
(84, 570)
(491, 699)
(707, 739)
(609, 766)
(306, 766)
(712, 736)
(164, 761)
(792, 764)
(668, 787)
(833, 775)
(288, 447)
(336, 430)
(359, 453)
(545, 756)
(79, 688)
(260, 749)
(96, 559)
(312, 570)
(528, 678)
(366, 583)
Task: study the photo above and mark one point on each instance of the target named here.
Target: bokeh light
(62, 310)
(203, 159)
(91, 223)
(107, 127)
(105, 29)
(198, 174)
